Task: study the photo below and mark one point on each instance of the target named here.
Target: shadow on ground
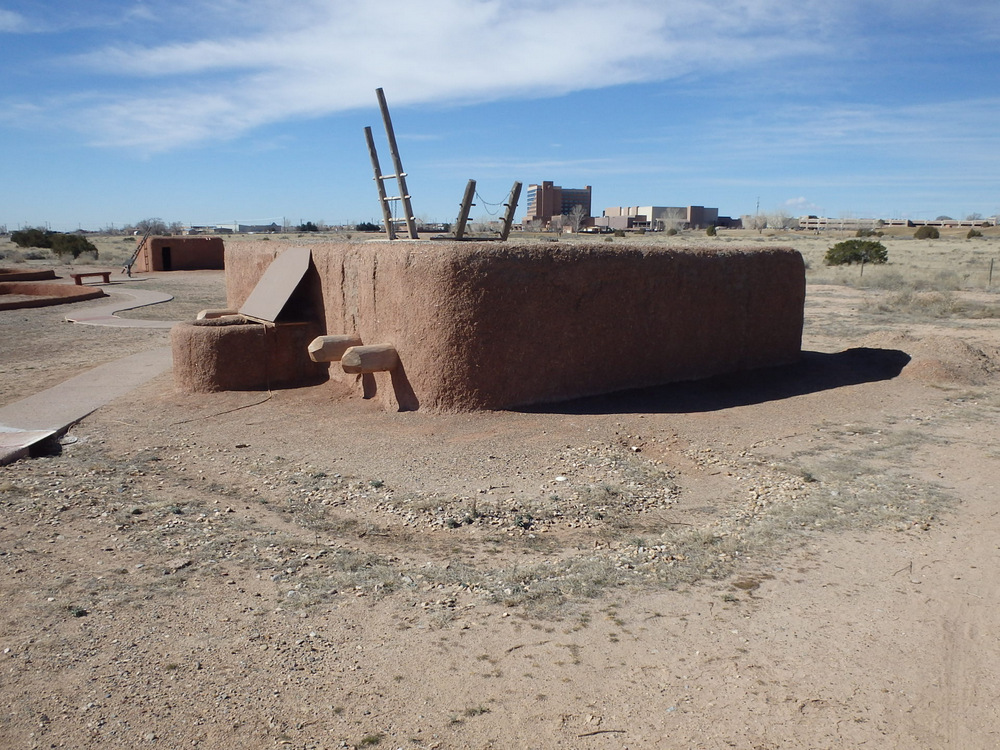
(813, 373)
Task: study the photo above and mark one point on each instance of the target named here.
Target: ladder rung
(395, 197)
(392, 176)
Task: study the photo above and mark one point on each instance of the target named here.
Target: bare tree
(574, 219)
(153, 226)
(777, 220)
(756, 222)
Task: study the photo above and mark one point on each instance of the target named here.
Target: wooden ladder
(127, 268)
(400, 176)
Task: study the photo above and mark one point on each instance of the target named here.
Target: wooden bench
(79, 277)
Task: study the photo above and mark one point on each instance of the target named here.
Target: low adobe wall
(232, 354)
(11, 274)
(44, 295)
(181, 254)
(496, 325)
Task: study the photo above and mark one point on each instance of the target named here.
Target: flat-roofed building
(547, 200)
(657, 218)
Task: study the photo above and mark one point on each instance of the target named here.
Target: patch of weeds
(77, 611)
(376, 484)
(475, 711)
(370, 740)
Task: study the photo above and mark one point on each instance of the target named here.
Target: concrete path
(37, 418)
(104, 315)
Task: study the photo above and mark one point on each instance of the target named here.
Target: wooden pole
(369, 359)
(331, 348)
(390, 230)
(463, 211)
(411, 221)
(508, 218)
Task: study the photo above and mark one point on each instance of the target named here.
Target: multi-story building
(656, 218)
(548, 200)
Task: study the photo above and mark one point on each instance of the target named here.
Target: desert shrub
(619, 233)
(868, 233)
(72, 244)
(927, 233)
(670, 232)
(32, 237)
(856, 251)
(711, 231)
(973, 233)
(61, 244)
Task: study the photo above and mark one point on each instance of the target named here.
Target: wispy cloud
(11, 22)
(316, 57)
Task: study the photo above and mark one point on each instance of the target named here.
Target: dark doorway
(167, 262)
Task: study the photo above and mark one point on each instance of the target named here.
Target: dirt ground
(802, 557)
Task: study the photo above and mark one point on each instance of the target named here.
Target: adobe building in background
(181, 254)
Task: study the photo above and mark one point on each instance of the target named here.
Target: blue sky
(210, 111)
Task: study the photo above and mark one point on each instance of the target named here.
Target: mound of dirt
(941, 360)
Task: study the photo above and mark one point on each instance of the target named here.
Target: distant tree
(153, 226)
(32, 237)
(308, 227)
(974, 217)
(61, 244)
(927, 233)
(574, 219)
(72, 244)
(944, 218)
(856, 251)
(778, 220)
(757, 222)
(367, 226)
(175, 227)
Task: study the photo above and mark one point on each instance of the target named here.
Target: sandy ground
(798, 558)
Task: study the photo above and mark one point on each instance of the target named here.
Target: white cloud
(12, 22)
(325, 56)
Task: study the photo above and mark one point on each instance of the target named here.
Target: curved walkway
(48, 414)
(104, 315)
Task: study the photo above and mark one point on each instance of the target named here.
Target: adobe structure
(483, 325)
(21, 289)
(180, 254)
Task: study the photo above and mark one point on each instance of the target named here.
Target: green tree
(32, 237)
(72, 244)
(856, 251)
(927, 233)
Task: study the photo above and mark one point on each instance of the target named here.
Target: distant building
(547, 200)
(180, 254)
(658, 218)
(824, 222)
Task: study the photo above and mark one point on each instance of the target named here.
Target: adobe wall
(497, 325)
(237, 355)
(43, 295)
(185, 254)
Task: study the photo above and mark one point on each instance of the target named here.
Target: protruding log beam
(332, 348)
(368, 359)
(218, 312)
